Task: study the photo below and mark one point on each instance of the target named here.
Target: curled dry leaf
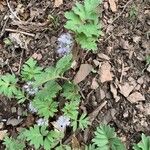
(58, 3)
(113, 5)
(136, 97)
(83, 72)
(105, 72)
(3, 134)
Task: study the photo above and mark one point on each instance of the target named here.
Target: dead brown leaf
(83, 72)
(136, 97)
(57, 3)
(105, 72)
(3, 134)
(113, 5)
(126, 89)
(94, 84)
(75, 143)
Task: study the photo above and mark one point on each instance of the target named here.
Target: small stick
(122, 11)
(13, 13)
(17, 31)
(20, 61)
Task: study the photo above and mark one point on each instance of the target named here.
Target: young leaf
(83, 122)
(46, 107)
(64, 64)
(34, 136)
(13, 144)
(19, 95)
(83, 20)
(105, 139)
(49, 91)
(52, 139)
(70, 92)
(71, 109)
(30, 70)
(144, 144)
(8, 85)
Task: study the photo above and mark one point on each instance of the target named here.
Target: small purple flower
(28, 87)
(63, 121)
(42, 122)
(65, 44)
(31, 108)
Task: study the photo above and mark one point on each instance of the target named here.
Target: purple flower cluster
(65, 44)
(28, 87)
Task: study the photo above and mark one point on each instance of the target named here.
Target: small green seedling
(83, 21)
(133, 12)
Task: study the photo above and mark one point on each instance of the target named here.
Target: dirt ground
(116, 91)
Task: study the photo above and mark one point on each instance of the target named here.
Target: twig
(3, 28)
(13, 13)
(20, 62)
(22, 32)
(122, 11)
(122, 71)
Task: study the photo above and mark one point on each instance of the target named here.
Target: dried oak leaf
(2, 134)
(105, 72)
(57, 3)
(83, 72)
(126, 89)
(136, 97)
(113, 5)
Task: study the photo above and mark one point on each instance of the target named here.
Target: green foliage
(54, 73)
(7, 42)
(105, 139)
(30, 70)
(49, 91)
(41, 137)
(144, 144)
(83, 20)
(46, 107)
(13, 144)
(90, 147)
(8, 85)
(35, 136)
(71, 109)
(148, 60)
(133, 12)
(70, 92)
(52, 139)
(80, 123)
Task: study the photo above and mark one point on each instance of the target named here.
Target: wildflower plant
(41, 89)
(83, 21)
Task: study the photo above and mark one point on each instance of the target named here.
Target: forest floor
(115, 91)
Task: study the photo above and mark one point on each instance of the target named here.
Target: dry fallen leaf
(136, 97)
(83, 72)
(75, 143)
(94, 84)
(58, 3)
(13, 121)
(103, 56)
(105, 73)
(113, 6)
(2, 134)
(126, 89)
